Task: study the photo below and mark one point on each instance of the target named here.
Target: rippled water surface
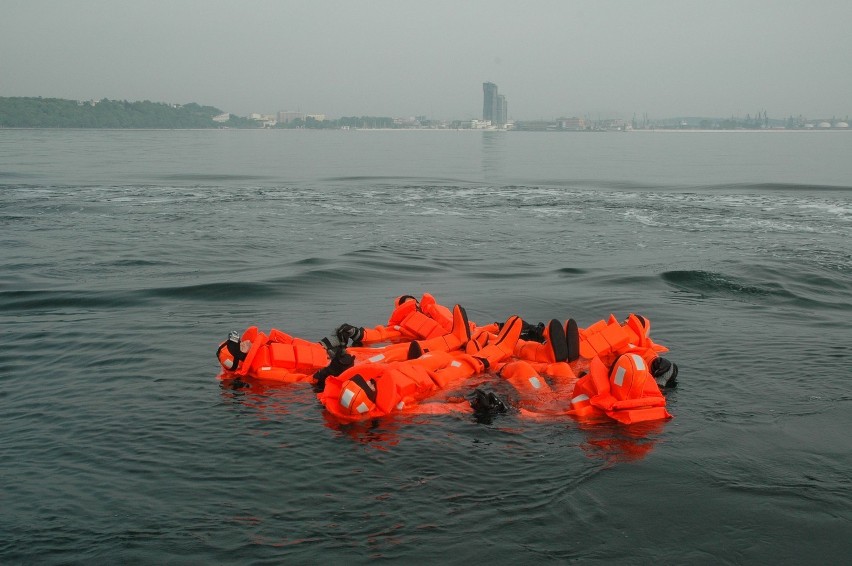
(128, 256)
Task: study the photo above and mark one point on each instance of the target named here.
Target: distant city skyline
(39, 112)
(660, 58)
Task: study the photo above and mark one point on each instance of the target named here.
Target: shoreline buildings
(495, 109)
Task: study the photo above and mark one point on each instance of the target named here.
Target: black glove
(346, 333)
(534, 332)
(340, 362)
(486, 402)
(341, 337)
(664, 372)
(332, 343)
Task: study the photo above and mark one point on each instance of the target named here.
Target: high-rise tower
(502, 111)
(494, 105)
(489, 102)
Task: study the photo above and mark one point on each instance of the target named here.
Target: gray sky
(595, 58)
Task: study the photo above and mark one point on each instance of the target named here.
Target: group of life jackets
(610, 369)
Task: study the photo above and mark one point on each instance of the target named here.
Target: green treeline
(37, 112)
(30, 112)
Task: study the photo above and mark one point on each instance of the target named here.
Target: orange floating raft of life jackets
(427, 348)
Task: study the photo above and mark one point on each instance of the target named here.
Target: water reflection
(605, 440)
(267, 401)
(493, 155)
(614, 443)
(381, 434)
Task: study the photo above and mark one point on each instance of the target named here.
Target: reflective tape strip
(619, 376)
(455, 363)
(346, 398)
(535, 382)
(400, 405)
(579, 399)
(637, 359)
(376, 358)
(266, 368)
(362, 408)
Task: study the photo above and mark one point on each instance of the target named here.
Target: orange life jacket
(403, 306)
(609, 339)
(457, 337)
(373, 390)
(419, 319)
(279, 357)
(381, 333)
(524, 378)
(439, 313)
(627, 394)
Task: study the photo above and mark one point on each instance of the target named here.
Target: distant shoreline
(37, 113)
(472, 130)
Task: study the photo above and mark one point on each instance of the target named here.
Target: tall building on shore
(502, 110)
(494, 106)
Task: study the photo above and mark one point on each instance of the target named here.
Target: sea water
(127, 256)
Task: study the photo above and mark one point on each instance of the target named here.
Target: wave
(788, 187)
(772, 289)
(713, 283)
(407, 179)
(388, 262)
(60, 300)
(208, 177)
(571, 271)
(14, 175)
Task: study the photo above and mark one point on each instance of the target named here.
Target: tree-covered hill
(30, 112)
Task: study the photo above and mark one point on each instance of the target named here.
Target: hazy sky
(397, 58)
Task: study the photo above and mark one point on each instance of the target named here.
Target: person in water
(622, 376)
(629, 391)
(276, 357)
(424, 319)
(375, 390)
(280, 357)
(541, 364)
